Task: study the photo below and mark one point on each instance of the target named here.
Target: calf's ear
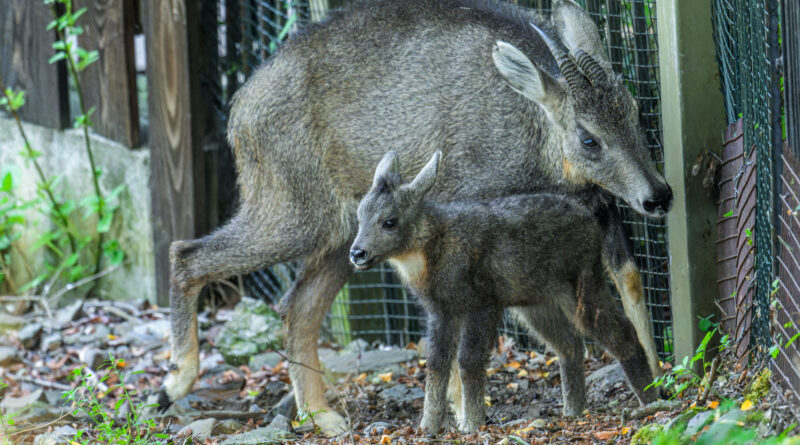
(387, 172)
(425, 178)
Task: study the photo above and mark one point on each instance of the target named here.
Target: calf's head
(593, 115)
(388, 215)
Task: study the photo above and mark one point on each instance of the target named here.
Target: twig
(120, 313)
(27, 430)
(712, 375)
(81, 282)
(45, 383)
(658, 405)
(225, 414)
(296, 363)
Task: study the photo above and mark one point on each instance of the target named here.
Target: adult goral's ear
(426, 177)
(388, 165)
(577, 30)
(522, 75)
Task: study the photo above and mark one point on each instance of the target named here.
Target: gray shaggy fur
(468, 260)
(415, 76)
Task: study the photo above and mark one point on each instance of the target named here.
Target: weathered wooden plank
(26, 47)
(110, 83)
(177, 159)
(791, 63)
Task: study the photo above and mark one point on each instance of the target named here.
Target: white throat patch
(411, 267)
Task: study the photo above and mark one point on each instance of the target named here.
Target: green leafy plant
(683, 375)
(304, 416)
(6, 420)
(120, 422)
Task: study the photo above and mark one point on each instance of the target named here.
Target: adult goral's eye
(389, 223)
(590, 143)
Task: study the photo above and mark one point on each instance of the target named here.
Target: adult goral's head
(597, 118)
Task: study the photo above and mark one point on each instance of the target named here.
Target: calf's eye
(389, 223)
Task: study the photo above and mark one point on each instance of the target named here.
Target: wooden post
(110, 84)
(179, 109)
(26, 47)
(693, 119)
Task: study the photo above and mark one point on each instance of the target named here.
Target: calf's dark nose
(662, 200)
(356, 255)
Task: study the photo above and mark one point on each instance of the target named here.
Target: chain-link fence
(374, 305)
(746, 35)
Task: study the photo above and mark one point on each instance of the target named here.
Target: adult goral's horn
(563, 60)
(590, 68)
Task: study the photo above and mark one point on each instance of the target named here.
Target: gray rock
(369, 361)
(376, 428)
(253, 328)
(270, 359)
(287, 407)
(607, 376)
(60, 435)
(30, 334)
(229, 426)
(9, 356)
(280, 422)
(698, 421)
(212, 361)
(11, 405)
(51, 342)
(10, 322)
(538, 423)
(54, 397)
(356, 346)
(199, 429)
(261, 436)
(92, 357)
(156, 330)
(401, 394)
(68, 313)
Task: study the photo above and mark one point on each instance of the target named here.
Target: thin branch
(83, 281)
(27, 430)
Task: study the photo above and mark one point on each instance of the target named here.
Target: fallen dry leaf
(604, 435)
(551, 361)
(385, 440)
(522, 373)
(385, 377)
(514, 365)
(360, 378)
(713, 405)
(747, 405)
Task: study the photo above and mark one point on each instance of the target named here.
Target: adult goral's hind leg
(551, 326)
(619, 261)
(303, 310)
(241, 246)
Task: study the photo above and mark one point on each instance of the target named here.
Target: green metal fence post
(693, 119)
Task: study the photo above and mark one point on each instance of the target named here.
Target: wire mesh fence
(373, 305)
(746, 35)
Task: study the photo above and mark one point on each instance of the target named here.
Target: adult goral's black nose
(662, 200)
(357, 255)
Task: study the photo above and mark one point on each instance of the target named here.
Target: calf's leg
(478, 335)
(441, 347)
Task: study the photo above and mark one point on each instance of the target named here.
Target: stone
(229, 426)
(697, 422)
(252, 329)
(269, 359)
(54, 397)
(376, 429)
(607, 376)
(9, 356)
(11, 405)
(538, 423)
(200, 430)
(51, 342)
(92, 357)
(356, 346)
(10, 322)
(30, 334)
(369, 361)
(212, 361)
(400, 393)
(280, 422)
(68, 313)
(261, 436)
(287, 406)
(60, 435)
(156, 330)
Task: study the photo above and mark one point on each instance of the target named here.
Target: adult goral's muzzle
(661, 201)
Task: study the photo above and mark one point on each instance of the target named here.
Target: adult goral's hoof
(331, 423)
(163, 401)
